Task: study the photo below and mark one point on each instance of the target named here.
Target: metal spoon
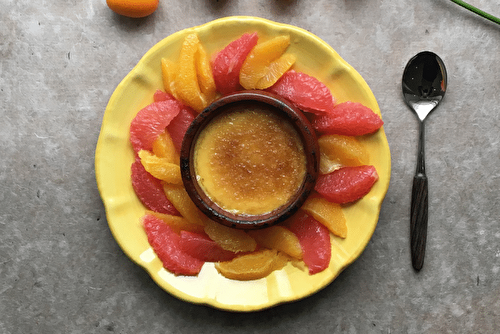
(424, 85)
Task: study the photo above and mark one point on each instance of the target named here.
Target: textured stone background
(61, 270)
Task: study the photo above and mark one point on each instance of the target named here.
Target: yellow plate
(114, 156)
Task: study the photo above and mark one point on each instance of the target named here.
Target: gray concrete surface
(61, 270)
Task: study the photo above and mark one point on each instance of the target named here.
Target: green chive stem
(477, 11)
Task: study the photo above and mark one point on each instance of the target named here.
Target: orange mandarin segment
(169, 73)
(252, 266)
(299, 264)
(163, 147)
(180, 199)
(279, 238)
(229, 238)
(186, 83)
(161, 168)
(275, 70)
(177, 223)
(328, 214)
(260, 62)
(205, 77)
(337, 151)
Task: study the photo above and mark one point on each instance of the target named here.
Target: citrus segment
(337, 151)
(305, 91)
(186, 82)
(259, 62)
(163, 147)
(178, 196)
(166, 244)
(328, 214)
(227, 63)
(169, 72)
(151, 122)
(229, 238)
(205, 77)
(252, 266)
(350, 119)
(177, 223)
(347, 184)
(179, 125)
(161, 168)
(276, 70)
(279, 238)
(200, 246)
(314, 239)
(160, 95)
(149, 190)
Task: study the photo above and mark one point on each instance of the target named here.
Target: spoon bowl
(424, 85)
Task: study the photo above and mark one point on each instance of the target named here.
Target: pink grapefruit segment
(160, 95)
(349, 119)
(151, 122)
(166, 245)
(149, 190)
(179, 125)
(200, 246)
(226, 64)
(305, 91)
(347, 184)
(314, 239)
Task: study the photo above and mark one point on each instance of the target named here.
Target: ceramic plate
(114, 156)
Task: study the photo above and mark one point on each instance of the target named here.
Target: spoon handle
(418, 221)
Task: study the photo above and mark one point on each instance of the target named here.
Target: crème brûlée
(250, 162)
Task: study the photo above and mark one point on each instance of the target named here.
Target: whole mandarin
(133, 8)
